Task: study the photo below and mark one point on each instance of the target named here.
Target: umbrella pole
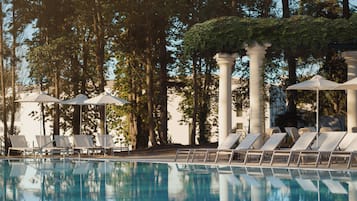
(317, 110)
(80, 119)
(42, 119)
(317, 116)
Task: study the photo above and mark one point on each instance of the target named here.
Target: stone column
(351, 60)
(225, 63)
(256, 55)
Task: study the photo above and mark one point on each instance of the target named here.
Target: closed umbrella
(316, 83)
(39, 98)
(78, 100)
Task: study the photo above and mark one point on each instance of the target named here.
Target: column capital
(256, 49)
(225, 58)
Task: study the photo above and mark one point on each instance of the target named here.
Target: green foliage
(303, 35)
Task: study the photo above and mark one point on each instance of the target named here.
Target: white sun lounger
(293, 133)
(267, 149)
(245, 144)
(327, 142)
(19, 143)
(64, 143)
(45, 144)
(303, 143)
(228, 143)
(346, 149)
(107, 143)
(85, 143)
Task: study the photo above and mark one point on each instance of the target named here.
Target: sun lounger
(326, 143)
(107, 143)
(228, 143)
(64, 143)
(346, 149)
(267, 149)
(245, 144)
(84, 143)
(293, 133)
(45, 145)
(303, 143)
(19, 143)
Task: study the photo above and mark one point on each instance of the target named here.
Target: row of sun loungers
(311, 148)
(81, 144)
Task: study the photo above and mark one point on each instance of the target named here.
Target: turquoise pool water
(69, 180)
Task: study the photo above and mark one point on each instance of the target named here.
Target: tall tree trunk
(286, 9)
(99, 55)
(195, 103)
(13, 70)
(291, 95)
(2, 71)
(150, 96)
(346, 9)
(56, 129)
(163, 92)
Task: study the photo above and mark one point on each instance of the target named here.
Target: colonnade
(256, 53)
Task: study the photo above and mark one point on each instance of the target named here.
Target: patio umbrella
(316, 83)
(350, 84)
(78, 100)
(39, 98)
(105, 98)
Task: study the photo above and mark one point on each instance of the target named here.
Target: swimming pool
(73, 180)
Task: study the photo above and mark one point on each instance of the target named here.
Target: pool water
(113, 180)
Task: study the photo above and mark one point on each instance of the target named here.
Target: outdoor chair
(227, 143)
(64, 143)
(326, 143)
(84, 143)
(346, 150)
(293, 133)
(303, 143)
(267, 149)
(19, 143)
(107, 143)
(45, 145)
(245, 144)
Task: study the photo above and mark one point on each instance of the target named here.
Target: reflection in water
(105, 180)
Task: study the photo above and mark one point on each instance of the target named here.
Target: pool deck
(167, 155)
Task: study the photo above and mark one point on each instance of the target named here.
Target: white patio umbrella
(350, 84)
(316, 83)
(39, 98)
(105, 98)
(78, 100)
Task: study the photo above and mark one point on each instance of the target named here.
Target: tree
(2, 78)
